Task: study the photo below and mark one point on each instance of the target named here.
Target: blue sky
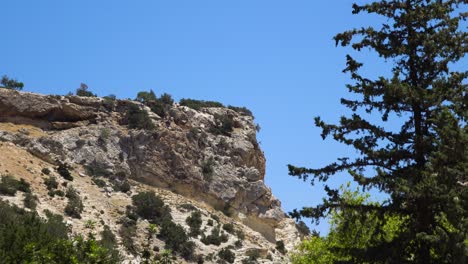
(275, 57)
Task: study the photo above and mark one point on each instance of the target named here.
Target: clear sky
(275, 57)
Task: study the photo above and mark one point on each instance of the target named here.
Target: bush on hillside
(63, 170)
(12, 84)
(227, 255)
(194, 221)
(25, 237)
(138, 118)
(74, 207)
(176, 239)
(151, 207)
(199, 104)
(83, 91)
(9, 185)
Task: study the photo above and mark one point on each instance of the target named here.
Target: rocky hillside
(203, 164)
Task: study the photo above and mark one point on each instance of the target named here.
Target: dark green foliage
(252, 256)
(123, 186)
(241, 110)
(159, 106)
(229, 228)
(215, 238)
(128, 232)
(24, 186)
(109, 242)
(194, 221)
(51, 183)
(83, 91)
(199, 104)
(99, 182)
(226, 254)
(209, 222)
(11, 83)
(138, 118)
(215, 217)
(421, 164)
(303, 228)
(207, 169)
(109, 101)
(30, 201)
(176, 239)
(146, 97)
(74, 207)
(9, 185)
(46, 171)
(63, 170)
(238, 243)
(240, 234)
(224, 125)
(187, 206)
(96, 169)
(27, 238)
(280, 247)
(151, 207)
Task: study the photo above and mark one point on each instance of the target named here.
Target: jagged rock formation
(181, 155)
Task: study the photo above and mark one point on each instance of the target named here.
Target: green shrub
(83, 91)
(159, 106)
(207, 169)
(46, 171)
(123, 186)
(99, 182)
(109, 241)
(74, 207)
(209, 222)
(280, 247)
(151, 207)
(303, 228)
(194, 221)
(96, 169)
(27, 238)
(29, 201)
(127, 232)
(24, 186)
(224, 125)
(215, 238)
(226, 254)
(238, 243)
(12, 84)
(240, 234)
(9, 185)
(109, 101)
(176, 239)
(229, 228)
(63, 170)
(51, 183)
(187, 206)
(138, 118)
(241, 110)
(199, 104)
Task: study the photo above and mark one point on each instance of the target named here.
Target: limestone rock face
(181, 154)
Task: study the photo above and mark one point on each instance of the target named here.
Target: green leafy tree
(422, 165)
(11, 83)
(349, 228)
(83, 91)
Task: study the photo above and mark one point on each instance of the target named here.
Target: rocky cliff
(182, 158)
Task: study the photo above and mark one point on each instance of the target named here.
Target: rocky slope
(182, 159)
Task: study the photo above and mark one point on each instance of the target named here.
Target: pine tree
(422, 165)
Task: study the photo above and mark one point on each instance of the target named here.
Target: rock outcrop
(181, 154)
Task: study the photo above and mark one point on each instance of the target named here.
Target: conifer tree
(423, 164)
